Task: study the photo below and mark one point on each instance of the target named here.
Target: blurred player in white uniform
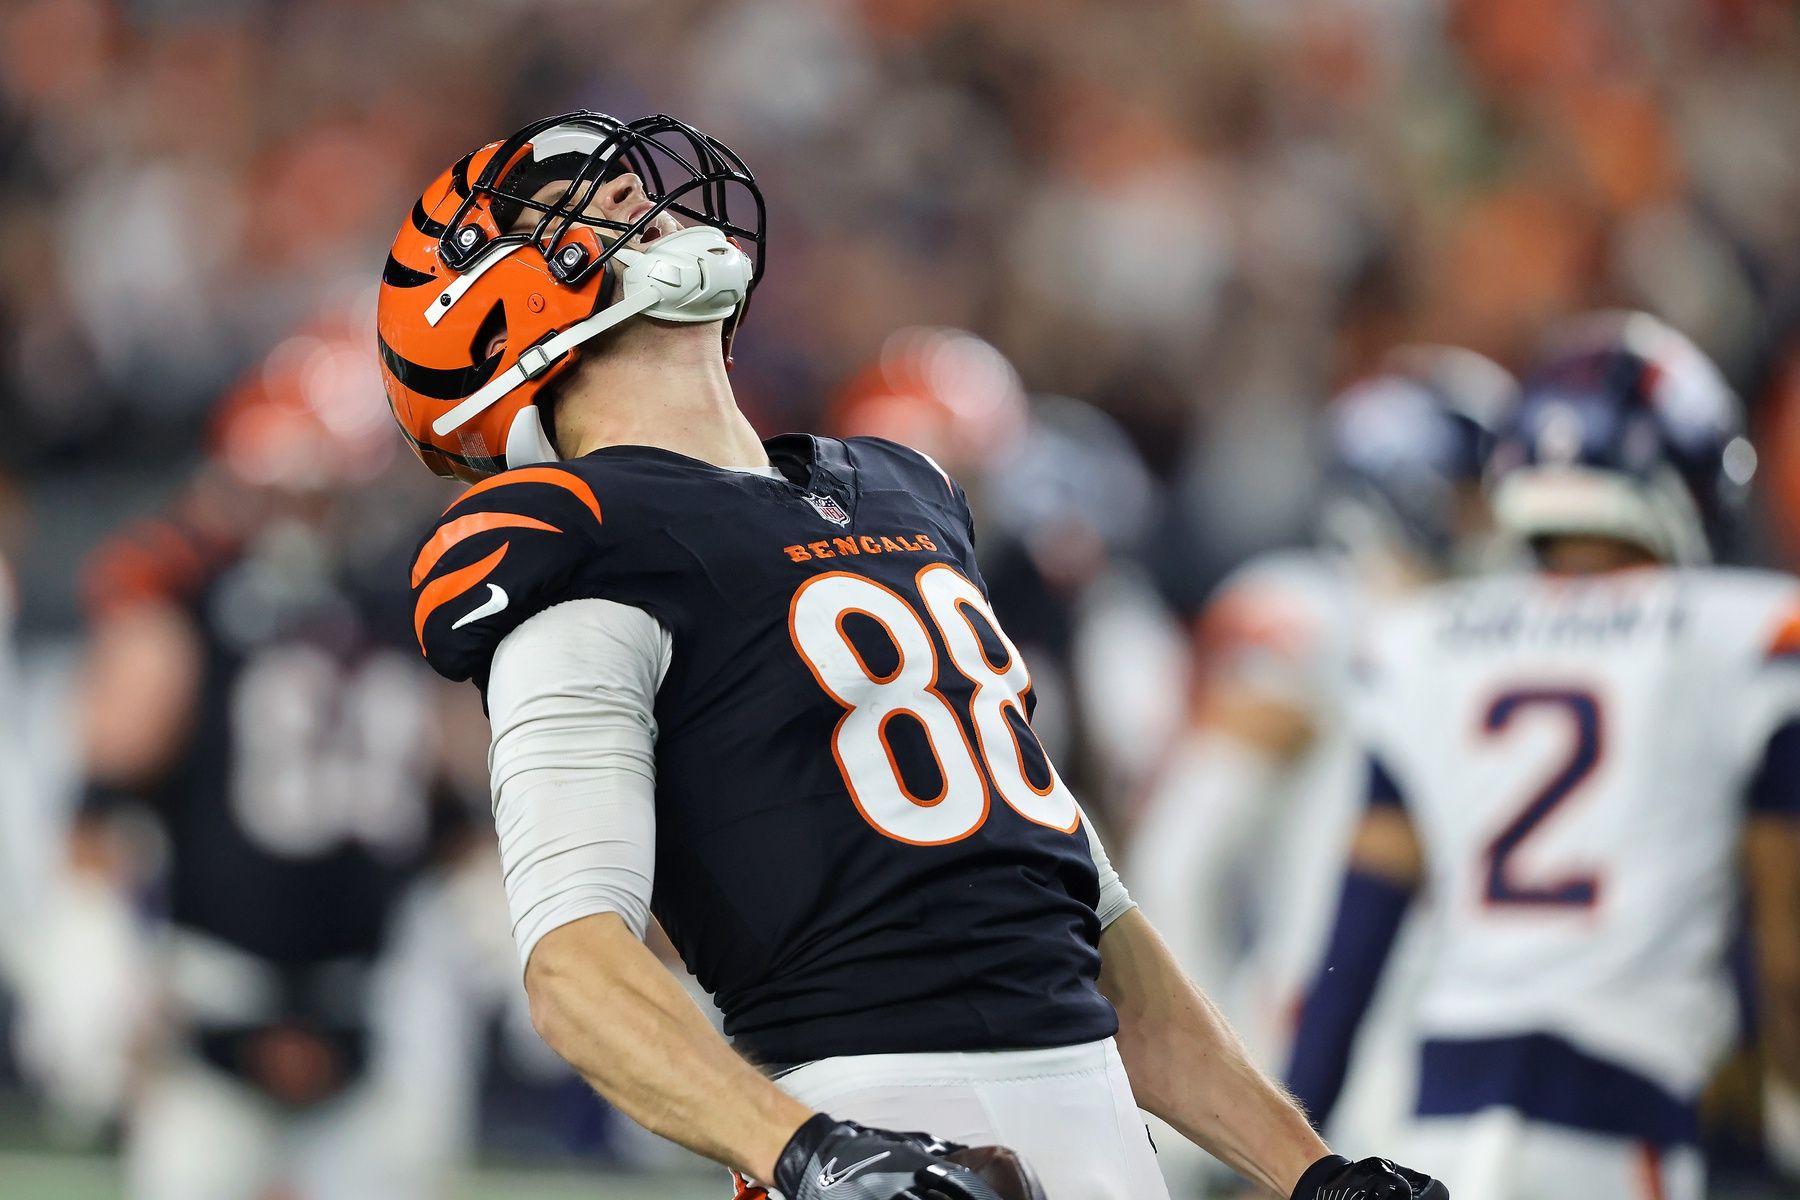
(1567, 762)
(1265, 785)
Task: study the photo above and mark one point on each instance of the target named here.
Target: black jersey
(861, 847)
(298, 804)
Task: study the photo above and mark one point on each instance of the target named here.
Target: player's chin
(1009, 1175)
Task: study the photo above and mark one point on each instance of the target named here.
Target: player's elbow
(544, 991)
(552, 986)
(567, 977)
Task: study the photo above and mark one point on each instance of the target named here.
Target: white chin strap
(689, 277)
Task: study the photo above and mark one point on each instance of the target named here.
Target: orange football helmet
(479, 311)
(943, 391)
(309, 416)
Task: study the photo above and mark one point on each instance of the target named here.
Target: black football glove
(1335, 1177)
(840, 1160)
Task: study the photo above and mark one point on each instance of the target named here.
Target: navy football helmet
(1625, 430)
(1407, 446)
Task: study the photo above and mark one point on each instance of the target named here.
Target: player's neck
(658, 385)
(1585, 555)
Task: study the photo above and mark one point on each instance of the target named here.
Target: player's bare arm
(603, 1002)
(1188, 1068)
(610, 1009)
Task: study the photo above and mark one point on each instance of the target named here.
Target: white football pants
(1068, 1110)
(1499, 1155)
(197, 1134)
(399, 1133)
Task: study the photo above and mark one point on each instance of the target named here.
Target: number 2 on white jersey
(1503, 888)
(871, 700)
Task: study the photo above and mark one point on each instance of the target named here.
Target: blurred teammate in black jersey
(251, 688)
(757, 690)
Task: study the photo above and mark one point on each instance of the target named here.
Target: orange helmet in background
(942, 391)
(481, 307)
(309, 416)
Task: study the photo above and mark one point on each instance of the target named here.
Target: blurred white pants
(197, 1134)
(1498, 1155)
(401, 1132)
(1068, 1110)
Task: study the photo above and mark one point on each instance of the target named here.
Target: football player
(249, 686)
(1263, 786)
(756, 690)
(1568, 759)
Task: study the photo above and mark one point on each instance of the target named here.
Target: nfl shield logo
(829, 508)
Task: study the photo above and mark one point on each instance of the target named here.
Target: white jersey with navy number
(1576, 754)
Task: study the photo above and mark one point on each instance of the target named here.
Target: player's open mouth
(650, 232)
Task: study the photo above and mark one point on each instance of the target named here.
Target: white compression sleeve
(571, 701)
(1115, 901)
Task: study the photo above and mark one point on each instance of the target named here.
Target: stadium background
(1199, 216)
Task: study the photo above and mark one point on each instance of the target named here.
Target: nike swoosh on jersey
(830, 1177)
(497, 600)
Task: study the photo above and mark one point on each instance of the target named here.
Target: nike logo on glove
(497, 600)
(830, 1176)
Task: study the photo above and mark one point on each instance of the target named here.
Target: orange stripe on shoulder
(573, 484)
(451, 533)
(443, 590)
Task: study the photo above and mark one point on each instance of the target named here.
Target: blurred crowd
(1199, 217)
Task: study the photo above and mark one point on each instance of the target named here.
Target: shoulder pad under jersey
(505, 550)
(881, 460)
(886, 464)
